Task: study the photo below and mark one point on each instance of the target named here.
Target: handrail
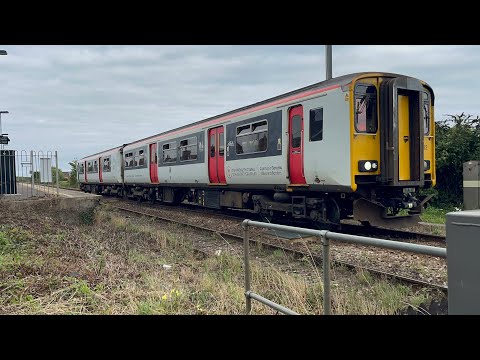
(325, 237)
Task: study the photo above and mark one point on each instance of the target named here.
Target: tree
(36, 175)
(457, 140)
(54, 175)
(73, 172)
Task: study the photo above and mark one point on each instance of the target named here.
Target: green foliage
(436, 215)
(87, 217)
(73, 172)
(457, 141)
(36, 175)
(54, 174)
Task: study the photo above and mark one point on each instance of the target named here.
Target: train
(359, 146)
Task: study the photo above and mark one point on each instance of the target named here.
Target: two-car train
(357, 146)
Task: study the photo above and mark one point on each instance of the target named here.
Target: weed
(278, 254)
(87, 217)
(117, 268)
(435, 215)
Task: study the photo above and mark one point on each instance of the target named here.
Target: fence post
(56, 167)
(326, 274)
(33, 172)
(246, 251)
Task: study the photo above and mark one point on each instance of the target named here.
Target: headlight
(367, 165)
(426, 165)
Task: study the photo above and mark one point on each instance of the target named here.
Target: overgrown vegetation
(436, 215)
(61, 177)
(108, 264)
(457, 140)
(73, 173)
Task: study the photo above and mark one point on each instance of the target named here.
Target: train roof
(341, 80)
(102, 152)
(337, 81)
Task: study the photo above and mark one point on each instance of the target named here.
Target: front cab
(392, 147)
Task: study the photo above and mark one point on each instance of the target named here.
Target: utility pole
(2, 52)
(328, 61)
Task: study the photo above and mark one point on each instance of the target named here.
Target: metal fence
(27, 174)
(325, 236)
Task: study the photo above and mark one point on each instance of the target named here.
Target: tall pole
(328, 61)
(56, 168)
(2, 52)
(33, 173)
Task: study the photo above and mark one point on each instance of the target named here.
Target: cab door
(100, 169)
(216, 156)
(295, 152)
(403, 138)
(153, 163)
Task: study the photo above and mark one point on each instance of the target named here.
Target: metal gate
(28, 174)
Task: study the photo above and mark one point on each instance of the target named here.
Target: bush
(457, 141)
(73, 172)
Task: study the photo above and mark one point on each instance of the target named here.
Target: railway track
(390, 234)
(393, 234)
(317, 259)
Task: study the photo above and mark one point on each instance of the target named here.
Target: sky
(79, 100)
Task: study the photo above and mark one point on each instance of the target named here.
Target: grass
(436, 215)
(107, 264)
(65, 184)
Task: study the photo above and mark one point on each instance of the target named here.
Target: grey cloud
(84, 99)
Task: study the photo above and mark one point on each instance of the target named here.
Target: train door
(295, 161)
(85, 169)
(216, 155)
(153, 163)
(401, 132)
(403, 138)
(100, 169)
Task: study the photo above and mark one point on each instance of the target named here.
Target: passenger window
(296, 136)
(260, 126)
(252, 138)
(188, 149)
(365, 108)
(106, 164)
(130, 160)
(243, 130)
(316, 124)
(141, 158)
(426, 114)
(135, 159)
(221, 146)
(170, 152)
(212, 146)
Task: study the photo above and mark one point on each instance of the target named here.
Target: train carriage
(359, 145)
(102, 172)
